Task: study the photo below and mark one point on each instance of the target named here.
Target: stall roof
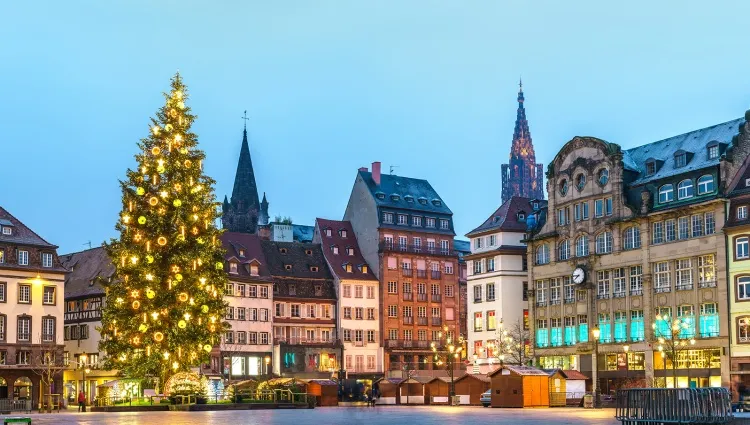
(521, 370)
(445, 379)
(574, 375)
(322, 382)
(478, 376)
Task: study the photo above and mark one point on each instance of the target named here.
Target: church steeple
(522, 176)
(241, 213)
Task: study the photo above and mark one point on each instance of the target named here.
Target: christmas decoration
(162, 265)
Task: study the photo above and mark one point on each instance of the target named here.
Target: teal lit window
(663, 324)
(709, 320)
(605, 328)
(557, 334)
(621, 326)
(637, 331)
(687, 321)
(570, 331)
(542, 334)
(583, 328)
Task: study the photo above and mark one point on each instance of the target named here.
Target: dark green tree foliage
(165, 305)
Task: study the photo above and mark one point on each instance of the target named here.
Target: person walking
(81, 401)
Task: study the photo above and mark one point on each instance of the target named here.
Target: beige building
(632, 245)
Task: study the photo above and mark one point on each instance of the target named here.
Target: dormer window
(342, 233)
(685, 189)
(233, 267)
(318, 290)
(536, 205)
(437, 202)
(423, 201)
(445, 224)
(380, 195)
(395, 197)
(253, 270)
(680, 159)
(409, 199)
(7, 230)
(650, 167)
(308, 251)
(521, 216)
(242, 253)
(328, 233)
(282, 250)
(313, 268)
(713, 150)
(288, 266)
(292, 289)
(350, 251)
(347, 267)
(388, 218)
(363, 268)
(402, 219)
(742, 212)
(335, 249)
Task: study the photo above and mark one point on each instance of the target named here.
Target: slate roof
(233, 242)
(302, 233)
(87, 271)
(21, 234)
(461, 246)
(391, 184)
(505, 218)
(694, 142)
(301, 257)
(337, 261)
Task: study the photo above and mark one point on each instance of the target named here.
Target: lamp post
(268, 362)
(84, 370)
(595, 332)
(626, 348)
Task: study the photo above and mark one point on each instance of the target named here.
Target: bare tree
(511, 345)
(47, 362)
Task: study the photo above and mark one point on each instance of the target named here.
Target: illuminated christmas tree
(165, 304)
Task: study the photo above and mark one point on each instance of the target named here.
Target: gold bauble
(178, 277)
(177, 203)
(136, 304)
(155, 150)
(207, 348)
(153, 201)
(143, 328)
(158, 337)
(140, 191)
(182, 324)
(150, 294)
(141, 220)
(219, 265)
(204, 308)
(162, 240)
(160, 169)
(168, 127)
(183, 296)
(188, 163)
(149, 259)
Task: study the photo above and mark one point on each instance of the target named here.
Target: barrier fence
(10, 405)
(673, 405)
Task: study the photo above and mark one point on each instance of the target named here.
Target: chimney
(362, 168)
(376, 172)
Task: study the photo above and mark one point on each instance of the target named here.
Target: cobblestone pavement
(417, 415)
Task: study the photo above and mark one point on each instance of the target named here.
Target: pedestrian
(81, 401)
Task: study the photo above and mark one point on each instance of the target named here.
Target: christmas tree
(165, 303)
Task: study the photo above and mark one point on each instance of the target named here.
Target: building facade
(247, 348)
(358, 293)
(31, 311)
(243, 213)
(522, 176)
(84, 300)
(306, 344)
(405, 230)
(632, 246)
(463, 250)
(498, 280)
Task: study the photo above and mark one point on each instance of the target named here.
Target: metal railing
(10, 405)
(406, 272)
(707, 284)
(436, 298)
(662, 289)
(673, 405)
(434, 274)
(408, 320)
(415, 249)
(421, 297)
(422, 321)
(684, 287)
(408, 296)
(421, 273)
(636, 291)
(436, 321)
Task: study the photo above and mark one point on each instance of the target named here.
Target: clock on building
(579, 275)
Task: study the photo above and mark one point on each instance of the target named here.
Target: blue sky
(427, 86)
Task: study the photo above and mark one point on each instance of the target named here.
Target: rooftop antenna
(88, 243)
(245, 119)
(392, 167)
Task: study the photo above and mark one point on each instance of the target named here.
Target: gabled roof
(291, 263)
(88, 270)
(574, 375)
(21, 234)
(478, 376)
(461, 246)
(391, 184)
(520, 370)
(233, 242)
(695, 142)
(505, 218)
(337, 261)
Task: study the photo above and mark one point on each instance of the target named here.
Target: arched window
(582, 246)
(685, 189)
(580, 181)
(705, 184)
(632, 238)
(666, 194)
(604, 243)
(542, 254)
(603, 176)
(564, 187)
(563, 250)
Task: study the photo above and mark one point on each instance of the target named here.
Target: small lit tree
(511, 344)
(674, 336)
(447, 352)
(47, 363)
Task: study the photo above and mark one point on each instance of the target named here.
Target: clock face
(579, 275)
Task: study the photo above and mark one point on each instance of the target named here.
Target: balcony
(408, 296)
(422, 321)
(602, 296)
(303, 341)
(619, 294)
(436, 298)
(684, 287)
(88, 315)
(570, 300)
(408, 320)
(406, 343)
(540, 303)
(477, 300)
(434, 274)
(422, 274)
(636, 291)
(436, 321)
(385, 246)
(421, 297)
(555, 301)
(707, 284)
(359, 343)
(406, 272)
(662, 289)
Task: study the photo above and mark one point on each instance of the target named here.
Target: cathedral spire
(241, 214)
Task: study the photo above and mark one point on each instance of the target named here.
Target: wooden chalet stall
(519, 386)
(436, 391)
(469, 388)
(575, 387)
(389, 390)
(557, 392)
(412, 390)
(326, 392)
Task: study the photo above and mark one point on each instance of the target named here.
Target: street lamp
(268, 361)
(595, 332)
(627, 361)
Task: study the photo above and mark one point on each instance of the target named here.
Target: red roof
(343, 238)
(236, 244)
(574, 375)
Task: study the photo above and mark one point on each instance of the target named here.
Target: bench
(17, 421)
